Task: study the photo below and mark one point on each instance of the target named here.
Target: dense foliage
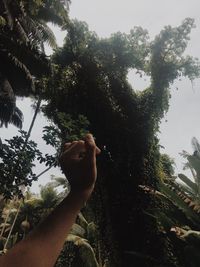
(179, 218)
(90, 77)
(88, 89)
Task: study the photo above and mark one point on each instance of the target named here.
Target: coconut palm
(9, 112)
(23, 32)
(19, 61)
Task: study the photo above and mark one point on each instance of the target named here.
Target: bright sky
(108, 16)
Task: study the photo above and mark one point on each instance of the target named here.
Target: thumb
(90, 146)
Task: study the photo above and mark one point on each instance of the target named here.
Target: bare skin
(42, 247)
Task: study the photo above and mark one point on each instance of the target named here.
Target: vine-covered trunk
(129, 234)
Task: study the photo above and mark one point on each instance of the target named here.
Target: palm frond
(16, 72)
(26, 53)
(7, 101)
(39, 32)
(9, 113)
(187, 190)
(188, 182)
(8, 116)
(17, 118)
(180, 200)
(8, 13)
(22, 33)
(23, 68)
(47, 34)
(196, 146)
(55, 11)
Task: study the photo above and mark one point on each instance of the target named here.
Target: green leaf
(2, 21)
(172, 195)
(188, 182)
(195, 163)
(187, 190)
(86, 252)
(77, 230)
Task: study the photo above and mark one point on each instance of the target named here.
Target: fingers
(90, 148)
(90, 142)
(75, 146)
(67, 145)
(77, 149)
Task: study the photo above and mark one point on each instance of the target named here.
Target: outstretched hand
(78, 162)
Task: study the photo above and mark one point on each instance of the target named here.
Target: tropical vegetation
(139, 214)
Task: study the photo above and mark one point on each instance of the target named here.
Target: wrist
(83, 194)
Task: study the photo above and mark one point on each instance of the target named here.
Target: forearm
(42, 247)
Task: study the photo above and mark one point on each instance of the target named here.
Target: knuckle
(92, 145)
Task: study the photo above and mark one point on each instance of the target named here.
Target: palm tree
(23, 32)
(9, 113)
(181, 208)
(18, 57)
(191, 186)
(18, 217)
(182, 194)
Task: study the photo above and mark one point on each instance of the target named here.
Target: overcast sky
(108, 16)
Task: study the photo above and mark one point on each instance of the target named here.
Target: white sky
(108, 16)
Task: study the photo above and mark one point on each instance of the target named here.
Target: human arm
(41, 248)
